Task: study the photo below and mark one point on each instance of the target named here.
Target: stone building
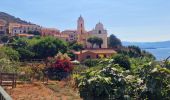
(71, 35)
(49, 31)
(16, 28)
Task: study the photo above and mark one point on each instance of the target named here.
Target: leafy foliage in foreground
(91, 62)
(149, 81)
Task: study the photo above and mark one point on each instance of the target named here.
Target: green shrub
(122, 60)
(91, 62)
(6, 64)
(11, 53)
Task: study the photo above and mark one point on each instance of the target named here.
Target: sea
(160, 53)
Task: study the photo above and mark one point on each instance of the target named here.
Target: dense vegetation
(130, 74)
(110, 79)
(37, 47)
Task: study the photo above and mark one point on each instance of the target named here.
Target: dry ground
(38, 91)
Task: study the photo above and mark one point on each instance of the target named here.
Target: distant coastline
(149, 48)
(161, 50)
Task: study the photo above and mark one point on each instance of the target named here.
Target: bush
(135, 52)
(49, 47)
(91, 62)
(122, 60)
(101, 84)
(4, 38)
(59, 67)
(6, 64)
(156, 80)
(25, 54)
(11, 53)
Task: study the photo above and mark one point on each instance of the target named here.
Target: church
(81, 35)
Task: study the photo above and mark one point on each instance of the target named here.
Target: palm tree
(91, 40)
(99, 42)
(95, 40)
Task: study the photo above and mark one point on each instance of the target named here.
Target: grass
(63, 89)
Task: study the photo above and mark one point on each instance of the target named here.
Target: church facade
(81, 35)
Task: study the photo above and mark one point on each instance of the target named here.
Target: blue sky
(129, 20)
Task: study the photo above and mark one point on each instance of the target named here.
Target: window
(88, 57)
(97, 56)
(100, 32)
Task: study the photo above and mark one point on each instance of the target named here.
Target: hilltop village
(80, 35)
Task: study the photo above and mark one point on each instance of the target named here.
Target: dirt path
(38, 91)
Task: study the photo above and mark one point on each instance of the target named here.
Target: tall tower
(81, 31)
(80, 25)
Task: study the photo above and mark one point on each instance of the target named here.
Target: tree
(95, 40)
(6, 64)
(34, 32)
(25, 54)
(77, 47)
(122, 60)
(114, 42)
(99, 42)
(91, 40)
(4, 38)
(136, 50)
(48, 47)
(11, 53)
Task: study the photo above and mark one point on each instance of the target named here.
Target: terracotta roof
(25, 35)
(69, 31)
(97, 51)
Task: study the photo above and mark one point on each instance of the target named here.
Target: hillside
(9, 18)
(164, 44)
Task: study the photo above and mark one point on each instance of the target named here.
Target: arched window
(81, 32)
(88, 57)
(97, 56)
(100, 32)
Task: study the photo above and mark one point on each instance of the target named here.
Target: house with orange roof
(94, 53)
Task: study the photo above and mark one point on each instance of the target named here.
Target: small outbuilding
(94, 53)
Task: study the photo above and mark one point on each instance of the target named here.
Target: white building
(16, 28)
(100, 32)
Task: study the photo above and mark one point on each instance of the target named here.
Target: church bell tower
(80, 25)
(81, 31)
